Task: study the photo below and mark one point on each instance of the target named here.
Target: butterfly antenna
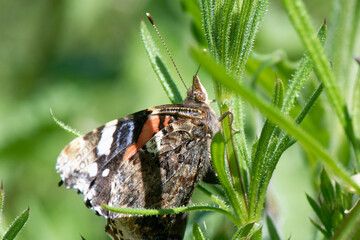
(167, 49)
(197, 71)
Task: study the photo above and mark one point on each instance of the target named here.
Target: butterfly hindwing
(169, 166)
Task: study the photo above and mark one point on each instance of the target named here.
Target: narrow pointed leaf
(326, 187)
(326, 234)
(243, 231)
(197, 232)
(64, 126)
(301, 75)
(274, 235)
(16, 226)
(314, 206)
(218, 160)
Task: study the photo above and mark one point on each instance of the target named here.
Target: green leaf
(309, 143)
(64, 126)
(197, 232)
(326, 187)
(244, 231)
(272, 229)
(256, 235)
(252, 13)
(260, 163)
(16, 226)
(218, 161)
(257, 168)
(278, 95)
(301, 75)
(326, 234)
(314, 206)
(159, 67)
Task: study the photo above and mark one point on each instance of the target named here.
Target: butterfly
(150, 159)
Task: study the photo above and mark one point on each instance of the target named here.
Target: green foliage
(83, 61)
(19, 222)
(330, 209)
(197, 232)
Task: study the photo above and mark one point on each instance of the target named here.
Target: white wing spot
(106, 140)
(154, 144)
(105, 173)
(93, 168)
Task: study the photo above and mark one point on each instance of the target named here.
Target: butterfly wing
(89, 157)
(122, 164)
(168, 166)
(151, 159)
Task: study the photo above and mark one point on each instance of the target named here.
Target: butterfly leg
(231, 119)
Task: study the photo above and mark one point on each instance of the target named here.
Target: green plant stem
(153, 212)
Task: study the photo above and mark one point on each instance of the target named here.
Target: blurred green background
(85, 60)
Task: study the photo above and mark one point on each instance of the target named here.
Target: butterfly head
(197, 92)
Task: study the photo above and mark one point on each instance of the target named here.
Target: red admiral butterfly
(150, 159)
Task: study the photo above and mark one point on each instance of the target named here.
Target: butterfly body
(150, 159)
